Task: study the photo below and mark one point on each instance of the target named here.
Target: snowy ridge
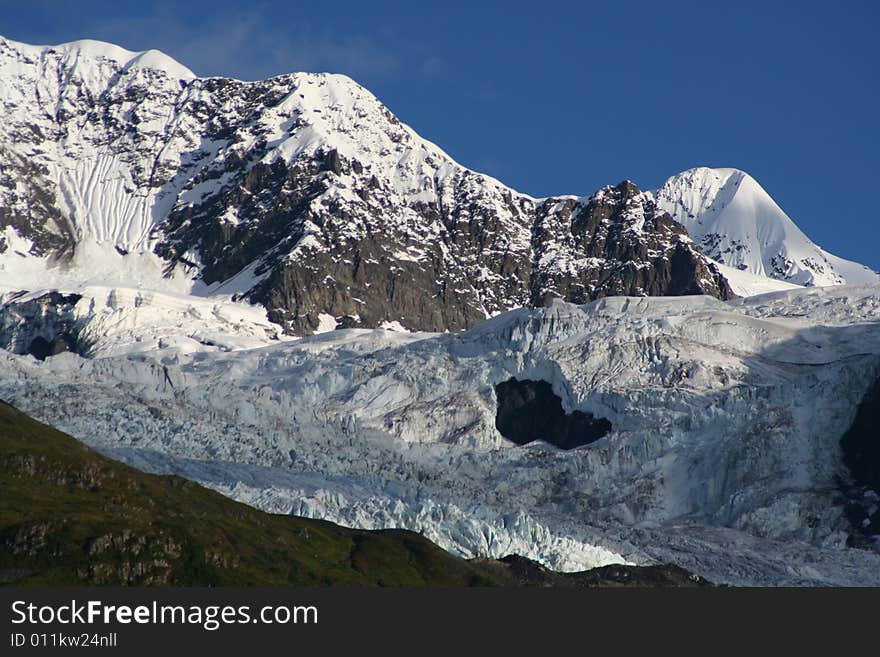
(738, 224)
(724, 454)
(94, 190)
(116, 187)
(92, 51)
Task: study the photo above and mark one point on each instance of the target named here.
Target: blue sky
(564, 97)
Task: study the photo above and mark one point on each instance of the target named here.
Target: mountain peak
(737, 223)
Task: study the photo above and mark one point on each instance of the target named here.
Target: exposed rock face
(530, 410)
(615, 243)
(530, 573)
(303, 193)
(30, 209)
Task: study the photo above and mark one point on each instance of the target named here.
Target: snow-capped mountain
(141, 207)
(302, 193)
(737, 223)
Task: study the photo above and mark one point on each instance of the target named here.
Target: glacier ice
(724, 455)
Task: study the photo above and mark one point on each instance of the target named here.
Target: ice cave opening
(530, 410)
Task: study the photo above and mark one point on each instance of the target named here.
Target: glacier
(724, 455)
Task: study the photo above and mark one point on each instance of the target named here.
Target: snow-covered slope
(76, 184)
(746, 284)
(738, 224)
(724, 451)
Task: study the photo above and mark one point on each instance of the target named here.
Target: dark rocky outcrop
(35, 215)
(357, 268)
(580, 251)
(620, 243)
(530, 573)
(861, 442)
(530, 410)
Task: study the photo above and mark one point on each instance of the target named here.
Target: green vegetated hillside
(70, 516)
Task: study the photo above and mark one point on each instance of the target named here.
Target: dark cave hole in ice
(861, 455)
(530, 410)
